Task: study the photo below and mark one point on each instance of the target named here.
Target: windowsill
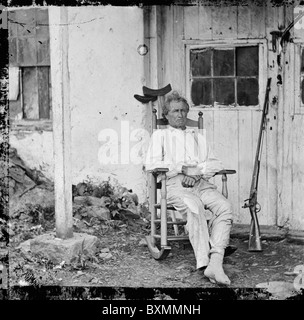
(225, 108)
(31, 125)
(227, 42)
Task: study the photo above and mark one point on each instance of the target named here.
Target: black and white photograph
(152, 151)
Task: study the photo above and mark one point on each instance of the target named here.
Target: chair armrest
(159, 170)
(155, 172)
(226, 171)
(224, 180)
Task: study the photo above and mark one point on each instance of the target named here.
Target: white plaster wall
(105, 72)
(36, 149)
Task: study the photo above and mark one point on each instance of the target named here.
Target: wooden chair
(158, 240)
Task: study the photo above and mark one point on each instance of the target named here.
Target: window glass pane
(224, 91)
(247, 61)
(200, 62)
(223, 62)
(201, 92)
(247, 92)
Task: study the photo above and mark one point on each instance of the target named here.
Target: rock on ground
(68, 250)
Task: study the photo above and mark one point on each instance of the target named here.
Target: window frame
(24, 124)
(229, 44)
(31, 124)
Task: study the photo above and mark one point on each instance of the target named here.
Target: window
(29, 64)
(224, 76)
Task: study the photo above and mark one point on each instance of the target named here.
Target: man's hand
(188, 182)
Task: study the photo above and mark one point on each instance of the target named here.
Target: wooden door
(233, 132)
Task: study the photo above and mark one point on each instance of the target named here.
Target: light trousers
(208, 214)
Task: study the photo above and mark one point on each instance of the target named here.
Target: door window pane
(201, 92)
(247, 92)
(200, 61)
(247, 61)
(223, 62)
(224, 91)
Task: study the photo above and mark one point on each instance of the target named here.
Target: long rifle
(252, 203)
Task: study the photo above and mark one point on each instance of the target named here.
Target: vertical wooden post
(155, 52)
(153, 181)
(200, 121)
(163, 213)
(224, 186)
(152, 201)
(155, 47)
(61, 121)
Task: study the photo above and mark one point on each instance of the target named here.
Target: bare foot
(215, 271)
(216, 275)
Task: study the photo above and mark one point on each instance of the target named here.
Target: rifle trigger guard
(257, 207)
(246, 204)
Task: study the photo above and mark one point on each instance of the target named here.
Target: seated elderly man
(191, 164)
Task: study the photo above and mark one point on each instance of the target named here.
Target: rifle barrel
(262, 128)
(254, 236)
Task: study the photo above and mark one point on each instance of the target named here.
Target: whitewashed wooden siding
(291, 140)
(234, 132)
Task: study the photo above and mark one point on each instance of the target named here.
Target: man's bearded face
(177, 116)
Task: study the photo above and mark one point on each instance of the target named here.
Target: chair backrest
(161, 122)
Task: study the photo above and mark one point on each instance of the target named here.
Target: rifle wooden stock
(252, 204)
(254, 235)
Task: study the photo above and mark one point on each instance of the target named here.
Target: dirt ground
(123, 260)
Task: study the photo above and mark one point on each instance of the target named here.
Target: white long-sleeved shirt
(172, 148)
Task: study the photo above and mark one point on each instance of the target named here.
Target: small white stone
(142, 243)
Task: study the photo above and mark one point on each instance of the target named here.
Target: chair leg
(161, 252)
(230, 249)
(153, 198)
(173, 217)
(157, 254)
(163, 212)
